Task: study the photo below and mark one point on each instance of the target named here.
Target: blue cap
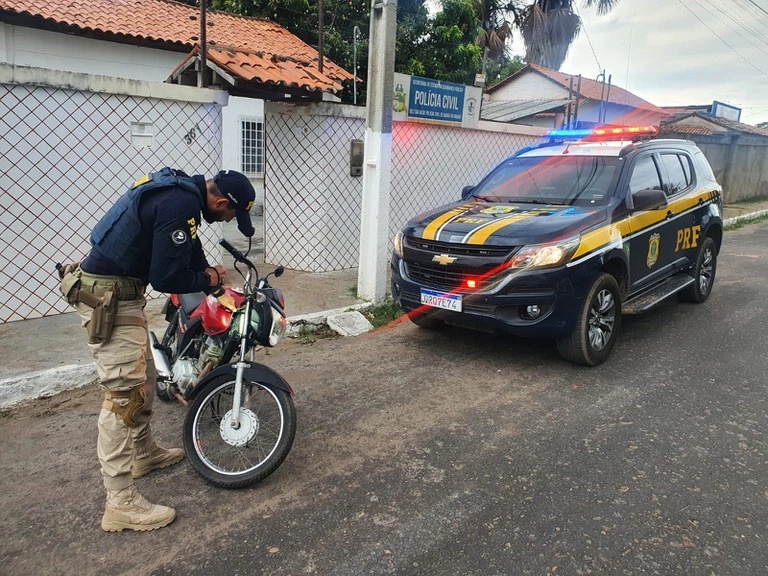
(239, 190)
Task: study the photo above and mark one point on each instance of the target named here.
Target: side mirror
(466, 192)
(650, 199)
(279, 271)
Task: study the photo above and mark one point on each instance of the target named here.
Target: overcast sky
(660, 51)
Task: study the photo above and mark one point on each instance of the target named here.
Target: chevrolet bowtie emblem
(443, 259)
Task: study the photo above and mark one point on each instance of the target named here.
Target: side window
(644, 175)
(676, 180)
(687, 168)
(703, 168)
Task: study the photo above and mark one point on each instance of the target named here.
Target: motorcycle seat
(191, 301)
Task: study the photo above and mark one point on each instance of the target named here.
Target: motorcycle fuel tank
(215, 317)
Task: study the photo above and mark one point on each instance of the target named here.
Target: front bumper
(558, 293)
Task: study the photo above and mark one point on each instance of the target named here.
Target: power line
(599, 67)
(722, 39)
(749, 9)
(734, 21)
(736, 16)
(756, 5)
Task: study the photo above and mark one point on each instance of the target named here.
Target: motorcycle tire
(231, 457)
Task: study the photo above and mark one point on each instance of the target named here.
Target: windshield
(571, 180)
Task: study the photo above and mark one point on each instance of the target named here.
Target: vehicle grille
(449, 277)
(479, 250)
(477, 262)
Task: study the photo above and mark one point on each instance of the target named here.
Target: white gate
(68, 153)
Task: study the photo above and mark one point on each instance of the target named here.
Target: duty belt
(122, 287)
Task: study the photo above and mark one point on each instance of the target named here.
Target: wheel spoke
(602, 318)
(231, 451)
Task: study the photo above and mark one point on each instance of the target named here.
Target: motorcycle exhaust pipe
(162, 363)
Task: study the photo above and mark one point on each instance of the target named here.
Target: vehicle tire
(424, 321)
(236, 458)
(597, 325)
(703, 272)
(168, 341)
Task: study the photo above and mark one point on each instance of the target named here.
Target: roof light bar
(600, 133)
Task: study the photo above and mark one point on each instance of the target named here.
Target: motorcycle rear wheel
(231, 457)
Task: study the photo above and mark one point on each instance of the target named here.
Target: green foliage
(309, 334)
(504, 67)
(745, 222)
(383, 313)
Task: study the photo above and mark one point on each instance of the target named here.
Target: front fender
(253, 372)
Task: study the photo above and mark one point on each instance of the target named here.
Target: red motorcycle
(241, 420)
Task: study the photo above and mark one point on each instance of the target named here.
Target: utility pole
(355, 36)
(374, 223)
(321, 34)
(201, 79)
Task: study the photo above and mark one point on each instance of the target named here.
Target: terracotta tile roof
(591, 89)
(694, 125)
(265, 68)
(163, 21)
(686, 129)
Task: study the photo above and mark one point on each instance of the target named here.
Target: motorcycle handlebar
(238, 256)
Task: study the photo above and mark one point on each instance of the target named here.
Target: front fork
(241, 365)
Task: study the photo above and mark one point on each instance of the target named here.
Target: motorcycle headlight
(238, 323)
(398, 244)
(544, 255)
(278, 327)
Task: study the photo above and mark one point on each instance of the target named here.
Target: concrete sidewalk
(44, 356)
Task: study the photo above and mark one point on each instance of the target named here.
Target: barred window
(251, 146)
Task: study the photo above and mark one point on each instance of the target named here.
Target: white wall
(22, 46)
(30, 47)
(528, 86)
(238, 108)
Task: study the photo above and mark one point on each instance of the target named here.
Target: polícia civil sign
(425, 100)
(435, 100)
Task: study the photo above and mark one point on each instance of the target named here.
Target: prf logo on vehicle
(562, 238)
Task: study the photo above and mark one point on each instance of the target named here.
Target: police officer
(150, 235)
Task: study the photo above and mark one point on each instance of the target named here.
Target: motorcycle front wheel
(235, 455)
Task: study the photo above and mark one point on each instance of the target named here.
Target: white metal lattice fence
(67, 155)
(312, 204)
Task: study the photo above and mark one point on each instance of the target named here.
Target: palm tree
(548, 27)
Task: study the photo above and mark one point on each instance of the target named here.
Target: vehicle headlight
(398, 244)
(544, 255)
(278, 327)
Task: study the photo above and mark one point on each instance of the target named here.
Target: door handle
(669, 214)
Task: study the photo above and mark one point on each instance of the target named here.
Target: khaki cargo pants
(124, 362)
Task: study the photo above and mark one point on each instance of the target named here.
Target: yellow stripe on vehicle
(613, 232)
(484, 233)
(430, 231)
(602, 237)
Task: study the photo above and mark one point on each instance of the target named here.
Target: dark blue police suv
(562, 238)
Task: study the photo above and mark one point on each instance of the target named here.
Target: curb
(47, 383)
(745, 217)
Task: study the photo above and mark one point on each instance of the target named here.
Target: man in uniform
(150, 235)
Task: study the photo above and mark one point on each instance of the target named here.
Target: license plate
(441, 300)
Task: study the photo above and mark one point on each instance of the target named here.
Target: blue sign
(435, 100)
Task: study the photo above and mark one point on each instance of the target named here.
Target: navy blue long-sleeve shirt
(174, 260)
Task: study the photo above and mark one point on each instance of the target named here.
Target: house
(157, 40)
(738, 153)
(592, 102)
(707, 125)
